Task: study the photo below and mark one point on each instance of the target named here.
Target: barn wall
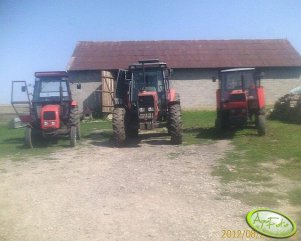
(89, 94)
(195, 87)
(279, 81)
(197, 90)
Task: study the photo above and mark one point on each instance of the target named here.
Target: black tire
(175, 124)
(261, 126)
(119, 126)
(73, 136)
(218, 124)
(74, 118)
(78, 135)
(28, 137)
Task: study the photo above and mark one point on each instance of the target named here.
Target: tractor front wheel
(73, 135)
(78, 135)
(175, 124)
(119, 126)
(261, 126)
(28, 137)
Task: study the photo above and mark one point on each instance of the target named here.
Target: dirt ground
(148, 191)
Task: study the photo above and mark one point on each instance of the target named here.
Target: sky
(40, 35)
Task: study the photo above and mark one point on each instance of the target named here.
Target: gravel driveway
(149, 191)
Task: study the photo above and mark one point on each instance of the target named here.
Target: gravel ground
(149, 191)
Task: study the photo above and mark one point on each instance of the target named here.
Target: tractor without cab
(144, 101)
(51, 112)
(240, 99)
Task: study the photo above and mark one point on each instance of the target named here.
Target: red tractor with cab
(144, 101)
(240, 99)
(51, 112)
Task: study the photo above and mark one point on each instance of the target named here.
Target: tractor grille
(146, 101)
(237, 97)
(49, 115)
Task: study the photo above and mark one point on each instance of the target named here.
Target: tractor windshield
(51, 89)
(152, 80)
(237, 80)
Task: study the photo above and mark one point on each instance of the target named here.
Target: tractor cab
(51, 87)
(239, 97)
(51, 97)
(149, 82)
(238, 88)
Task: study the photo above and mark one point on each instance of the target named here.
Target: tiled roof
(185, 54)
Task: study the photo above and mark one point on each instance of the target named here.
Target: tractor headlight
(53, 123)
(141, 109)
(45, 123)
(150, 109)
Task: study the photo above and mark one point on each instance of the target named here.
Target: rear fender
(173, 96)
(73, 103)
(261, 98)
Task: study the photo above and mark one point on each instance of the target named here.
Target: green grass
(12, 140)
(198, 127)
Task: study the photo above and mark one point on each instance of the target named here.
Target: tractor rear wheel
(73, 136)
(175, 124)
(74, 120)
(78, 135)
(261, 126)
(74, 116)
(119, 126)
(28, 137)
(218, 124)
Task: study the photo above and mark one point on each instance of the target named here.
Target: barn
(95, 65)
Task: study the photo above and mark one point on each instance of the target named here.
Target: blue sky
(39, 35)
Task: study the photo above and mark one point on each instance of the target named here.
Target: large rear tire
(73, 136)
(119, 126)
(175, 124)
(261, 126)
(74, 121)
(74, 116)
(78, 135)
(28, 137)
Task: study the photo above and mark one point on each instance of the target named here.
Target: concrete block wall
(89, 94)
(279, 81)
(195, 86)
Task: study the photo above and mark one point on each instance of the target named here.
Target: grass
(12, 140)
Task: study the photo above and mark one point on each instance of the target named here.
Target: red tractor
(240, 99)
(51, 112)
(144, 100)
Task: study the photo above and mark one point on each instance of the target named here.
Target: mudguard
(73, 103)
(173, 96)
